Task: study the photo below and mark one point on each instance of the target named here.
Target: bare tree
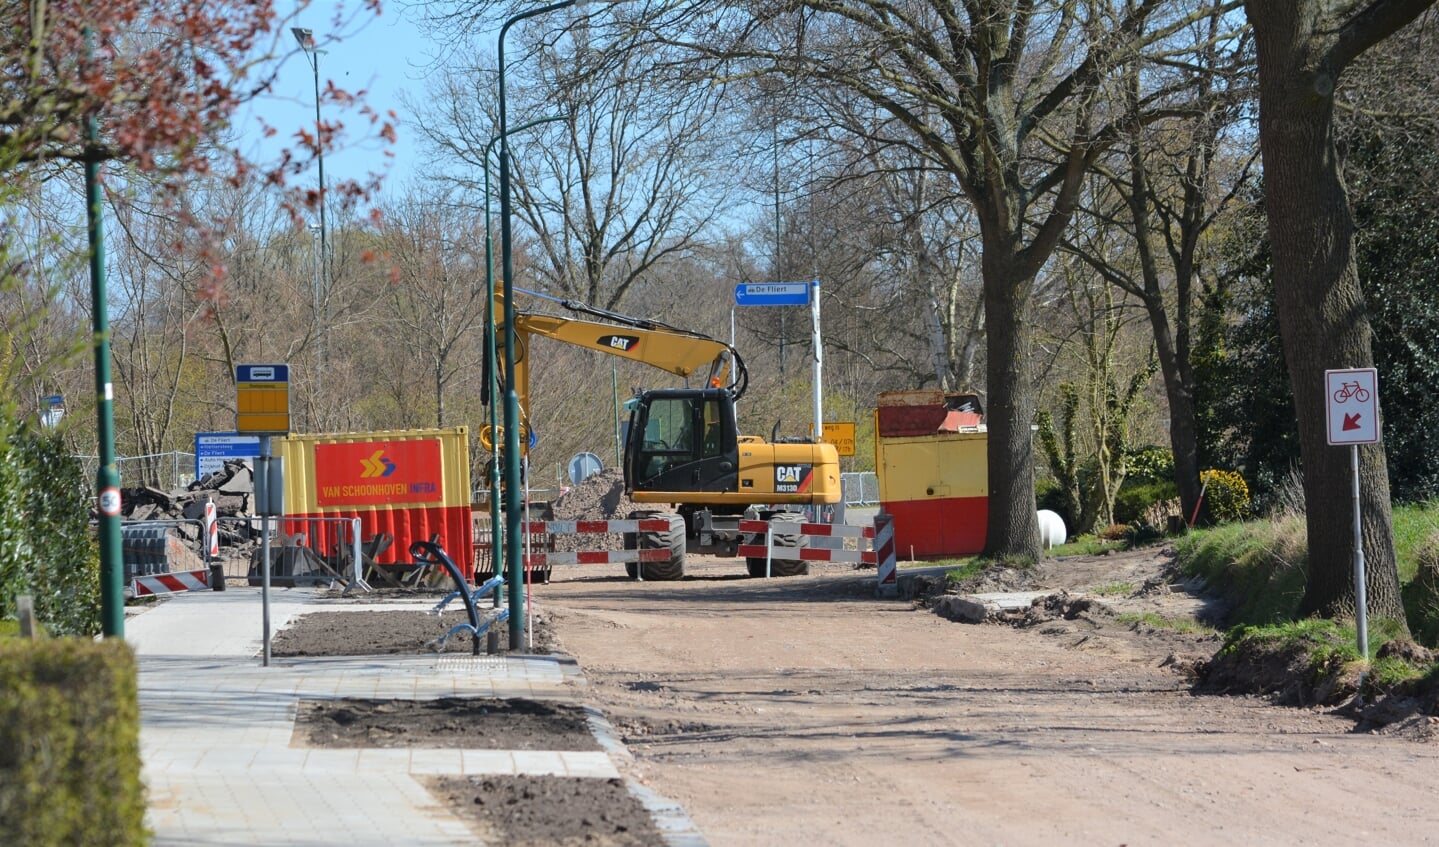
(623, 179)
(438, 297)
(1007, 98)
(1170, 181)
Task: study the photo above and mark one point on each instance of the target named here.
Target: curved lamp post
(514, 557)
(497, 546)
(306, 39)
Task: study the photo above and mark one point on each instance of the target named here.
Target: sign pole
(1351, 398)
(1361, 605)
(818, 362)
(262, 497)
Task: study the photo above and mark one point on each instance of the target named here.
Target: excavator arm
(681, 352)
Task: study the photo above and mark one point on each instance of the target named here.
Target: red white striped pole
(884, 553)
(212, 530)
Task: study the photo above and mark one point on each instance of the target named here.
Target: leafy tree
(1303, 46)
(1391, 157)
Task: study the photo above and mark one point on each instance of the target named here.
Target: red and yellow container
(411, 484)
(930, 455)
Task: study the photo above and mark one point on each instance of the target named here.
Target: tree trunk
(1013, 528)
(1321, 310)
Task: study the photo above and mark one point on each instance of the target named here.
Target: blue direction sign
(213, 448)
(771, 294)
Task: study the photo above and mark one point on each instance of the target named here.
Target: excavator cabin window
(680, 430)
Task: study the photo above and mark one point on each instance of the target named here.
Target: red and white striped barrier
(170, 583)
(807, 554)
(887, 584)
(545, 559)
(594, 527)
(212, 529)
(595, 557)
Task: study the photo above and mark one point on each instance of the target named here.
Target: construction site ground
(806, 711)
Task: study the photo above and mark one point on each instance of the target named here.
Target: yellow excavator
(684, 447)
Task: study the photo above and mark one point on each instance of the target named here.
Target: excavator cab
(683, 440)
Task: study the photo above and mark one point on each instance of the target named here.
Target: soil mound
(599, 497)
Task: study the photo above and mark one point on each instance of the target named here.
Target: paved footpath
(216, 727)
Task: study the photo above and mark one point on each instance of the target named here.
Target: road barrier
(802, 552)
(887, 583)
(545, 559)
(170, 583)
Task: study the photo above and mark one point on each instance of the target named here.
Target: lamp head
(305, 36)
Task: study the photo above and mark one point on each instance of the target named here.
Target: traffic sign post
(213, 449)
(262, 399)
(790, 294)
(772, 294)
(1351, 398)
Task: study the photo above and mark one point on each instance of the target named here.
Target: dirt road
(804, 712)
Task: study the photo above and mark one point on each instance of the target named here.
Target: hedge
(69, 744)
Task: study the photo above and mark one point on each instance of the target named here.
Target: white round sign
(110, 502)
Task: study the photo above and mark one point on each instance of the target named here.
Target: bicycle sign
(1352, 405)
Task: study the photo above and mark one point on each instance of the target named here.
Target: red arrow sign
(1351, 422)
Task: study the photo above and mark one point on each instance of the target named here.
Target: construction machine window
(713, 443)
(670, 428)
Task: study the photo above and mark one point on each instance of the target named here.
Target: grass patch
(1323, 639)
(967, 570)
(9, 628)
(1087, 545)
(1115, 589)
(1259, 566)
(1150, 619)
(1414, 526)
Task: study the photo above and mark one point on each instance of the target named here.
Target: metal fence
(175, 469)
(859, 489)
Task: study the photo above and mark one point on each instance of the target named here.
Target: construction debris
(180, 512)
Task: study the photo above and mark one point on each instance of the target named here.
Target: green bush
(1149, 465)
(1226, 494)
(46, 547)
(69, 744)
(1133, 500)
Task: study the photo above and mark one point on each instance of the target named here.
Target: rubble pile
(231, 489)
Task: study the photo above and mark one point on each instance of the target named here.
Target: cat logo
(625, 343)
(791, 479)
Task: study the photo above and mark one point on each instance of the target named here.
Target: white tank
(1051, 529)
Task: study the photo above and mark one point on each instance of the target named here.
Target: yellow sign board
(841, 435)
(262, 399)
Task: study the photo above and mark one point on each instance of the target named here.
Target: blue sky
(386, 56)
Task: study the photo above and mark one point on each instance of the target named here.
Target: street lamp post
(514, 557)
(497, 546)
(107, 476)
(306, 39)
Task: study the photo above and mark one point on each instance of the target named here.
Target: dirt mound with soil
(376, 633)
(599, 497)
(529, 811)
(482, 723)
